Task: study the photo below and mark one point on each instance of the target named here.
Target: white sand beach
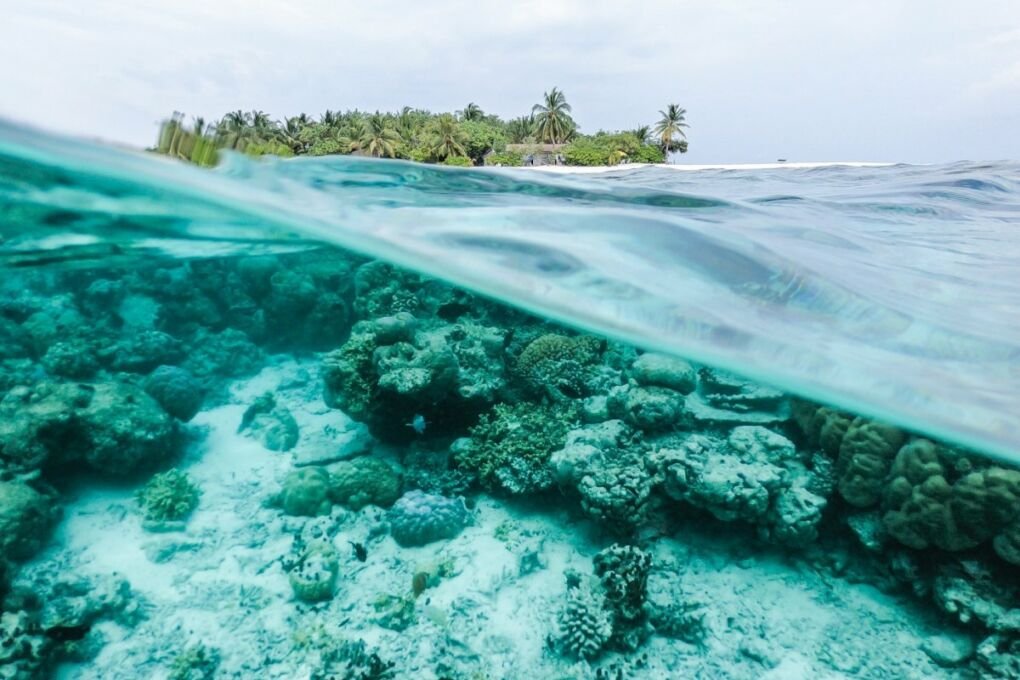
(577, 169)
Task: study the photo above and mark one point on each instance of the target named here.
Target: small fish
(360, 551)
(418, 423)
(419, 583)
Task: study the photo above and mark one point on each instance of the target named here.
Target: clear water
(355, 419)
(891, 291)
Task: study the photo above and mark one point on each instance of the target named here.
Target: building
(538, 154)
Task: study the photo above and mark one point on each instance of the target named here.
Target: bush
(646, 153)
(585, 152)
(481, 138)
(459, 161)
(505, 158)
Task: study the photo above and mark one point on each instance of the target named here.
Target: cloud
(797, 78)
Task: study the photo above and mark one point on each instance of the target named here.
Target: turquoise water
(888, 291)
(350, 419)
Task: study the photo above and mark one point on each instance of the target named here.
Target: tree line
(466, 137)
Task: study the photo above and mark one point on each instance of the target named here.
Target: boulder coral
(929, 503)
(364, 481)
(26, 516)
(176, 390)
(314, 577)
(419, 518)
(306, 492)
(558, 366)
(866, 456)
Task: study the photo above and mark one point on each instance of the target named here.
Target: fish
(360, 551)
(418, 423)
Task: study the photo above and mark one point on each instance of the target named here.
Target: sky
(805, 80)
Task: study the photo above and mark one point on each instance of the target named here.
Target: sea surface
(891, 291)
(357, 419)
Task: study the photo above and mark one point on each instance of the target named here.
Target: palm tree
(518, 130)
(378, 138)
(670, 126)
(472, 112)
(642, 132)
(448, 139)
(236, 130)
(552, 119)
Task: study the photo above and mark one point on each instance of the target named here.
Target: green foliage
(646, 153)
(610, 149)
(505, 158)
(459, 161)
(168, 497)
(585, 152)
(418, 135)
(480, 139)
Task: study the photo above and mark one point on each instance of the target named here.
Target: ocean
(353, 418)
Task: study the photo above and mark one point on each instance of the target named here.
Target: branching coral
(168, 497)
(585, 625)
(197, 662)
(510, 447)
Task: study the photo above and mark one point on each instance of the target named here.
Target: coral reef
(114, 428)
(471, 403)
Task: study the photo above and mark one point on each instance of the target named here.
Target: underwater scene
(354, 419)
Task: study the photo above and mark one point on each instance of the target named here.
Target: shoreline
(803, 165)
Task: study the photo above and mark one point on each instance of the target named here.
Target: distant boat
(780, 160)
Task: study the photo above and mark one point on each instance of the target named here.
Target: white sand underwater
(221, 583)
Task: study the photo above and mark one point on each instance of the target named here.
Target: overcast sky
(897, 80)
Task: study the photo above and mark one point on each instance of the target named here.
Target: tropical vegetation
(470, 136)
